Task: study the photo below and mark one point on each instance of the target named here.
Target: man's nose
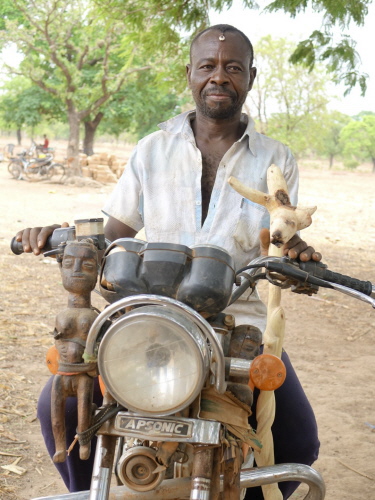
(219, 76)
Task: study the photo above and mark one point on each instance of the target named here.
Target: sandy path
(330, 338)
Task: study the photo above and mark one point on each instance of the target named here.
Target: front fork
(103, 462)
(205, 481)
(103, 465)
(202, 473)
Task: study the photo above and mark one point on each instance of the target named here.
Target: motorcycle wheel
(15, 169)
(55, 172)
(33, 173)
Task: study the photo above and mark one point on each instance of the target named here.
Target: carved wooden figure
(285, 221)
(79, 271)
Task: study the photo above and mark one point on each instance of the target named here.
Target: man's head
(220, 73)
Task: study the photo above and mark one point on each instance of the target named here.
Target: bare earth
(330, 337)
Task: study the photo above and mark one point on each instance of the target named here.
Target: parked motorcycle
(23, 167)
(175, 369)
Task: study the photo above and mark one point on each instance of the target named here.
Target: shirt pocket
(251, 220)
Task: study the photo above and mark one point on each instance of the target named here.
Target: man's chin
(219, 112)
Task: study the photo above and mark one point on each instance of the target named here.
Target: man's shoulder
(175, 128)
(150, 138)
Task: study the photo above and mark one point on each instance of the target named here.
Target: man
(175, 186)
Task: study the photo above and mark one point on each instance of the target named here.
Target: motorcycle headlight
(154, 361)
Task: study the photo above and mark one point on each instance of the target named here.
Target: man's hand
(294, 248)
(34, 239)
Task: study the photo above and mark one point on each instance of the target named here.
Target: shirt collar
(180, 124)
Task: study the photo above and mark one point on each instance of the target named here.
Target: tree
(290, 101)
(332, 44)
(80, 58)
(332, 126)
(23, 104)
(140, 106)
(358, 139)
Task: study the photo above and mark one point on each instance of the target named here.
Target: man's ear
(253, 74)
(188, 71)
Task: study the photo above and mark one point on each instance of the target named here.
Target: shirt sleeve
(125, 202)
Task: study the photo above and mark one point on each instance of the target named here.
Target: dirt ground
(330, 337)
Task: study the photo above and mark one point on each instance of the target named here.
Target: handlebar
(62, 235)
(59, 236)
(307, 275)
(318, 274)
(315, 274)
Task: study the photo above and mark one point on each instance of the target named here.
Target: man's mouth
(218, 95)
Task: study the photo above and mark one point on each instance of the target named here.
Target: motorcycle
(176, 372)
(36, 169)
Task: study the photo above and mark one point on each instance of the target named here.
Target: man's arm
(115, 229)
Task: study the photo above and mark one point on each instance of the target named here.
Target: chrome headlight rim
(192, 337)
(218, 368)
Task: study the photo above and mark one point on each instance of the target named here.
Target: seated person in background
(44, 147)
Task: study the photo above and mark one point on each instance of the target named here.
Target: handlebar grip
(356, 284)
(320, 270)
(16, 246)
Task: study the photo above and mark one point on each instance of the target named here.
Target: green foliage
(358, 139)
(139, 107)
(331, 127)
(68, 53)
(8, 12)
(351, 163)
(290, 101)
(189, 17)
(84, 60)
(23, 104)
(340, 56)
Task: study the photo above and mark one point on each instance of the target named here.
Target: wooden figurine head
(79, 267)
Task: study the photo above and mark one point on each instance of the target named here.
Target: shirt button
(198, 203)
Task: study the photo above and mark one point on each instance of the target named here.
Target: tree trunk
(331, 160)
(19, 136)
(90, 129)
(373, 165)
(73, 143)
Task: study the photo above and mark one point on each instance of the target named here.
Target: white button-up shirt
(160, 190)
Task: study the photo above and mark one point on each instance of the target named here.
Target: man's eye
(234, 68)
(206, 66)
(67, 262)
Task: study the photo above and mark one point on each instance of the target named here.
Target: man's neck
(210, 129)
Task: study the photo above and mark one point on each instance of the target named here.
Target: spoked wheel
(15, 169)
(34, 172)
(55, 172)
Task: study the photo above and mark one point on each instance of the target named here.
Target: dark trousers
(294, 431)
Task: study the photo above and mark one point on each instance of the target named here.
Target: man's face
(219, 74)
(79, 269)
